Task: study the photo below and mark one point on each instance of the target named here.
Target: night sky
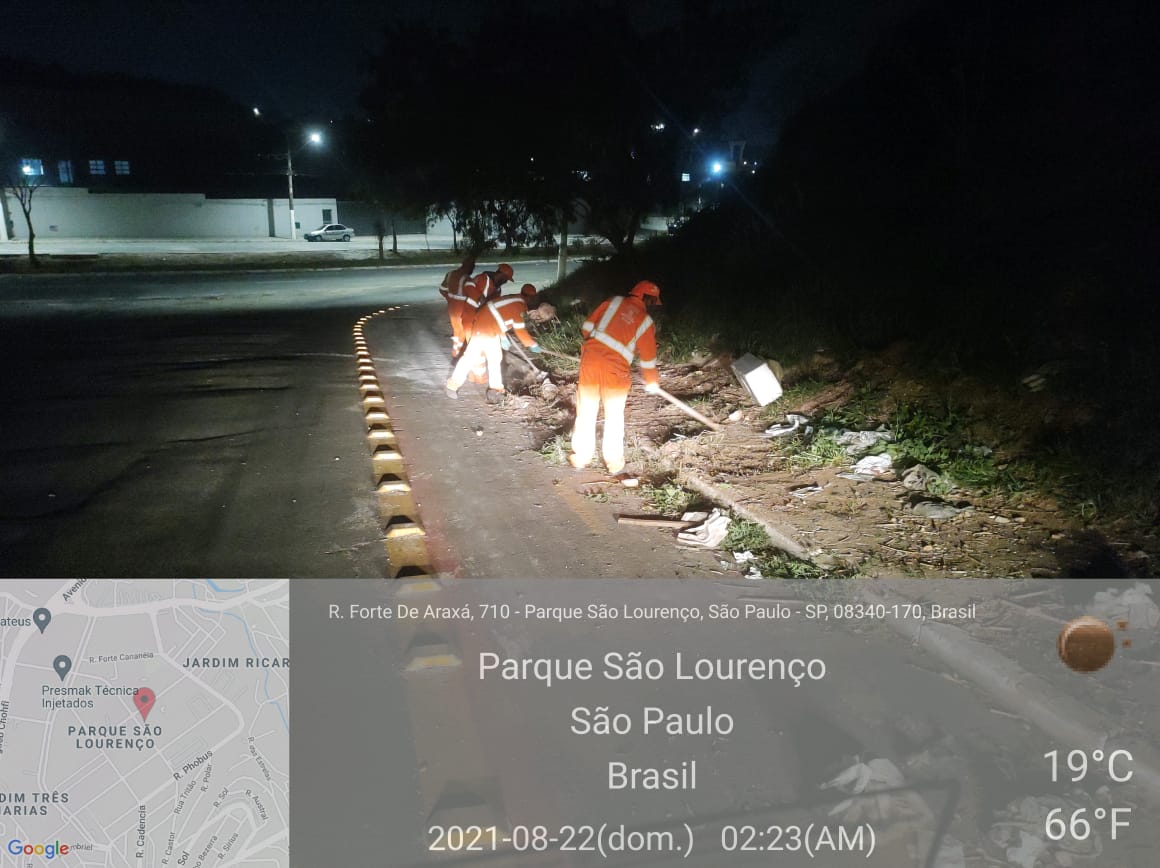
(301, 59)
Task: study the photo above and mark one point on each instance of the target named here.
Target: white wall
(70, 212)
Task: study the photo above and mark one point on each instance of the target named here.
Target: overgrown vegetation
(668, 498)
(563, 337)
(748, 536)
(556, 450)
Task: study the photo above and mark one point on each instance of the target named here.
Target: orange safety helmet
(528, 292)
(505, 271)
(646, 291)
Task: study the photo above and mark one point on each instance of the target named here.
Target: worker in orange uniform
(616, 331)
(452, 290)
(477, 291)
(493, 321)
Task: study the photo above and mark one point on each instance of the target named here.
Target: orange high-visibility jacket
(454, 282)
(501, 315)
(476, 291)
(479, 289)
(623, 327)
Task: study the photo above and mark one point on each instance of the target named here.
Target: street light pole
(290, 184)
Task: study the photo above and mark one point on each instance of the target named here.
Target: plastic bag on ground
(709, 534)
(919, 477)
(875, 465)
(856, 442)
(794, 422)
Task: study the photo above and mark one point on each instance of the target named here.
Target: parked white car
(330, 232)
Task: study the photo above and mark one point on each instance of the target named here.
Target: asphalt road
(194, 425)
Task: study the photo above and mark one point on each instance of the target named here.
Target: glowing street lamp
(718, 168)
(314, 139)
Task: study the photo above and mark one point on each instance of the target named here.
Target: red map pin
(144, 699)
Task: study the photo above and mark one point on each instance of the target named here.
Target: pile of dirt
(867, 526)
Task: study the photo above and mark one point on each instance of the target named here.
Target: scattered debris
(654, 521)
(864, 780)
(938, 509)
(1131, 610)
(1021, 824)
(794, 422)
(735, 416)
(709, 534)
(543, 314)
(919, 477)
(858, 442)
(805, 490)
(758, 379)
(875, 465)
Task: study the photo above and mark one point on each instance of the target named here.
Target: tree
(23, 191)
(582, 125)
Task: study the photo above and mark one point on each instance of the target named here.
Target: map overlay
(144, 723)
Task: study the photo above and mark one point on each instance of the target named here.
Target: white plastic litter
(856, 442)
(709, 533)
(757, 378)
(1132, 607)
(744, 557)
(866, 781)
(875, 465)
(794, 422)
(804, 491)
(878, 774)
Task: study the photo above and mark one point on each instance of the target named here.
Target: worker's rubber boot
(450, 393)
(616, 469)
(575, 461)
(495, 396)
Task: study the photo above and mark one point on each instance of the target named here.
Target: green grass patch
(820, 450)
(681, 338)
(940, 438)
(556, 450)
(793, 396)
(668, 498)
(562, 337)
(748, 536)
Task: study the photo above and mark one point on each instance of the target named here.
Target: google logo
(49, 851)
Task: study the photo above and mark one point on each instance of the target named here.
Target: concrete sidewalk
(357, 248)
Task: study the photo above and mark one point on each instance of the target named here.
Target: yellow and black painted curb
(403, 534)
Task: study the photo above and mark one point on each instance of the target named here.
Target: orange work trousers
(455, 315)
(481, 362)
(604, 379)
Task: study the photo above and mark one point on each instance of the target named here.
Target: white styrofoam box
(759, 381)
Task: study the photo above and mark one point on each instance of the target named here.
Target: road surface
(195, 425)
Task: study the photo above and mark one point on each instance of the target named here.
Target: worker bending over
(616, 331)
(493, 320)
(477, 291)
(451, 289)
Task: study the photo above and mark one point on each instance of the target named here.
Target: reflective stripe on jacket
(506, 314)
(479, 289)
(455, 281)
(622, 325)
